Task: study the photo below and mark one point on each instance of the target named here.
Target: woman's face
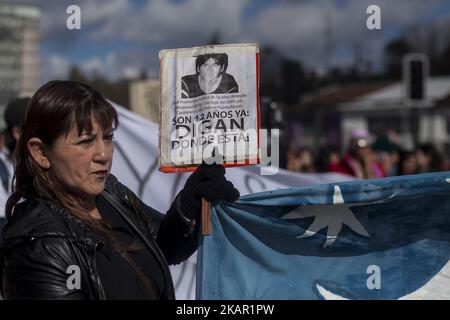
(82, 163)
(210, 70)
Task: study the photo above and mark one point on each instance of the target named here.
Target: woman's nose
(100, 152)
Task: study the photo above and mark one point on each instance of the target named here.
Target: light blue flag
(368, 239)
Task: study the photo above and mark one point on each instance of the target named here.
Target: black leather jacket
(42, 240)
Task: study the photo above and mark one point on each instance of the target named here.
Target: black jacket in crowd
(42, 240)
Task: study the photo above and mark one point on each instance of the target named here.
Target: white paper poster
(209, 101)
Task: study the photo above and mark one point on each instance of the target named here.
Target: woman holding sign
(74, 231)
(210, 77)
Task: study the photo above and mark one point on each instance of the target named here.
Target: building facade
(144, 98)
(19, 52)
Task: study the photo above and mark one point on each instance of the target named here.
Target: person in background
(293, 162)
(301, 160)
(307, 160)
(4, 175)
(360, 161)
(407, 163)
(14, 116)
(428, 159)
(446, 157)
(390, 161)
(387, 150)
(329, 156)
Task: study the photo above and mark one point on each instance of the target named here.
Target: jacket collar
(34, 218)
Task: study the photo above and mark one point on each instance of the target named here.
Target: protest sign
(209, 106)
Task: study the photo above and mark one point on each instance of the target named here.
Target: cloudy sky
(119, 37)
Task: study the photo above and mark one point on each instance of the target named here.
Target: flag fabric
(367, 239)
(136, 166)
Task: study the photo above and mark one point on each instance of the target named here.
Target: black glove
(208, 182)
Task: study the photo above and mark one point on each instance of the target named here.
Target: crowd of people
(364, 159)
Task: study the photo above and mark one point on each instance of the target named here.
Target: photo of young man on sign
(210, 77)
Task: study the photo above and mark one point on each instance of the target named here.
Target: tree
(116, 91)
(282, 79)
(394, 53)
(75, 74)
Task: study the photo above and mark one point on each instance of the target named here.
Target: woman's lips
(101, 173)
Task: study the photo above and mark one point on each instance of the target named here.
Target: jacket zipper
(100, 291)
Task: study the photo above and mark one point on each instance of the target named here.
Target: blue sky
(119, 38)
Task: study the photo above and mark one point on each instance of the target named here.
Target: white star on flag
(331, 216)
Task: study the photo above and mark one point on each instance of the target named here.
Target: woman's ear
(37, 150)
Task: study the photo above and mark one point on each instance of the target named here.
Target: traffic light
(415, 74)
(417, 80)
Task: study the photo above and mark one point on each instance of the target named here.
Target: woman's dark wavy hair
(54, 109)
(51, 113)
(220, 58)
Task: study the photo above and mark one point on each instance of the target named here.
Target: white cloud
(101, 11)
(94, 14)
(92, 67)
(56, 67)
(130, 72)
(165, 21)
(309, 30)
(115, 65)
